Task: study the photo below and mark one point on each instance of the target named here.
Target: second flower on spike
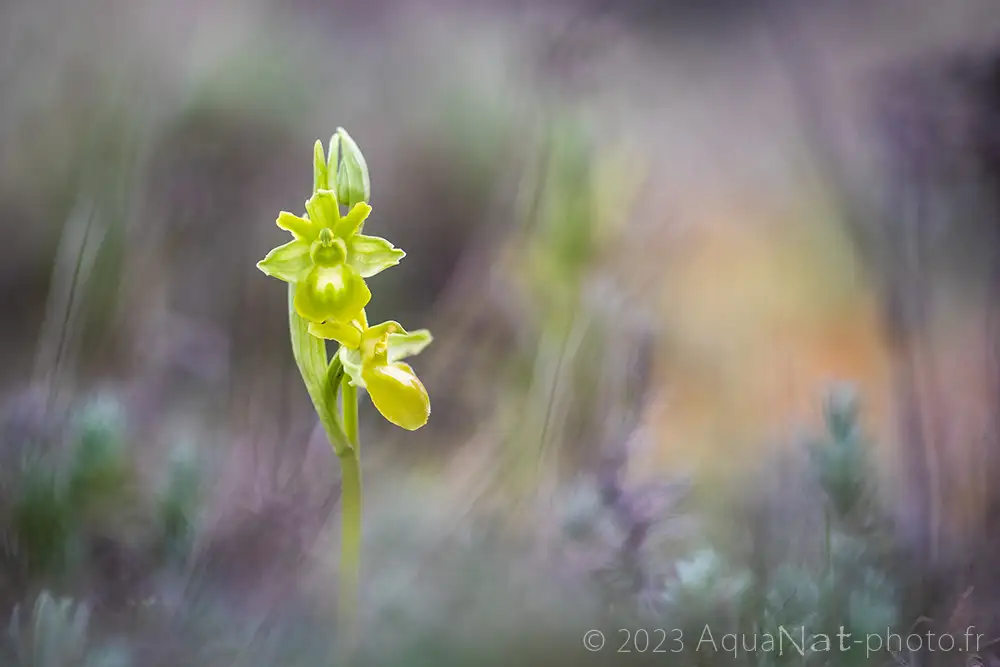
(372, 358)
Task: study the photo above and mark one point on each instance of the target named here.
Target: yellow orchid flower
(372, 358)
(329, 258)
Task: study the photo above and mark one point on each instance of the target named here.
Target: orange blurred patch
(760, 318)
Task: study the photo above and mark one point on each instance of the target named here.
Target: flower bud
(353, 185)
(321, 171)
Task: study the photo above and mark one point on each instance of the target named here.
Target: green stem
(349, 408)
(351, 506)
(324, 380)
(350, 546)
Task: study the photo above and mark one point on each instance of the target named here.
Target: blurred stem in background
(559, 239)
(565, 231)
(87, 268)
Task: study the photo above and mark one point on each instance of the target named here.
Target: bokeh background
(713, 289)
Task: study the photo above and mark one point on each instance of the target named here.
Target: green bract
(329, 258)
(372, 358)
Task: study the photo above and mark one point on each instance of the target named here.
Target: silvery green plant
(852, 589)
(840, 460)
(179, 502)
(99, 470)
(326, 265)
(843, 470)
(51, 505)
(705, 575)
(851, 585)
(55, 634)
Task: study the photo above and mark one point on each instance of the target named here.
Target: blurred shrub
(41, 523)
(55, 635)
(477, 589)
(840, 460)
(179, 505)
(853, 585)
(66, 509)
(99, 472)
(51, 506)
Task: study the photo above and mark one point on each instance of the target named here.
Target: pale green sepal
(353, 183)
(408, 344)
(370, 255)
(351, 360)
(289, 262)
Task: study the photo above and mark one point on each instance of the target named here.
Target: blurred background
(713, 289)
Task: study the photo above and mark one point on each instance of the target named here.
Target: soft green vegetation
(69, 495)
(723, 608)
(444, 592)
